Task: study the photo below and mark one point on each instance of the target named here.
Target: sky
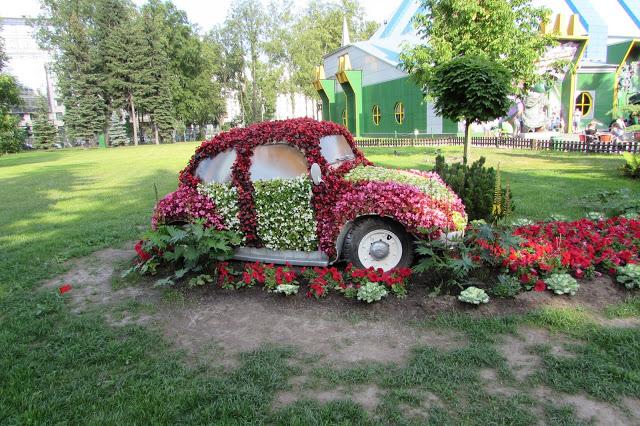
(205, 13)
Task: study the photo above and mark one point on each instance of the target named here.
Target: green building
(363, 87)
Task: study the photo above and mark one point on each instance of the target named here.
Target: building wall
(600, 86)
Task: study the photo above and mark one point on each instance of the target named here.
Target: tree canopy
(504, 31)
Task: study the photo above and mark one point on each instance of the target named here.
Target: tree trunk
(292, 97)
(156, 136)
(134, 120)
(254, 83)
(467, 141)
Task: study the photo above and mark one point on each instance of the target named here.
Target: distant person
(617, 129)
(591, 132)
(577, 116)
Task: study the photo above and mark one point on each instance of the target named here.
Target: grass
(59, 367)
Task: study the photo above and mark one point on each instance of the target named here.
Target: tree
(45, 132)
(504, 31)
(470, 88)
(117, 131)
(11, 135)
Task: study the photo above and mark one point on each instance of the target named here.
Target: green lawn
(59, 367)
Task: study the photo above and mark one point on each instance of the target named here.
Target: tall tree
(45, 133)
(117, 131)
(504, 31)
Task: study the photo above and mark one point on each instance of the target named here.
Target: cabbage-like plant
(371, 292)
(629, 275)
(562, 284)
(286, 289)
(473, 295)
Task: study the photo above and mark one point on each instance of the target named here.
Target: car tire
(378, 243)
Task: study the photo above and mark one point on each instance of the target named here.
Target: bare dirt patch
(517, 350)
(589, 409)
(366, 396)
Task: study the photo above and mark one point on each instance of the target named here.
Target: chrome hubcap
(380, 248)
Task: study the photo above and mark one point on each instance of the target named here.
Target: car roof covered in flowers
(303, 133)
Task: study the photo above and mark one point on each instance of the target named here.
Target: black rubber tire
(363, 227)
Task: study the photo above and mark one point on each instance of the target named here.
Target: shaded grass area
(543, 183)
(58, 367)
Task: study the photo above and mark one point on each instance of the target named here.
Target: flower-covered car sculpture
(299, 191)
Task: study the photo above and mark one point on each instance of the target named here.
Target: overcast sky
(205, 13)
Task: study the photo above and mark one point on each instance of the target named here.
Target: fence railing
(598, 147)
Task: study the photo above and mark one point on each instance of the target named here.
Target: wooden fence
(513, 143)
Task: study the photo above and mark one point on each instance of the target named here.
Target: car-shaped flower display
(299, 191)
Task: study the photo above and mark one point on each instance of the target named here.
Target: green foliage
(476, 185)
(629, 275)
(117, 131)
(562, 284)
(507, 286)
(473, 295)
(286, 289)
(631, 166)
(45, 132)
(188, 250)
(504, 32)
(285, 217)
(11, 136)
(618, 202)
(371, 292)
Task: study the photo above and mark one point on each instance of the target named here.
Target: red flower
(64, 288)
(143, 255)
(540, 286)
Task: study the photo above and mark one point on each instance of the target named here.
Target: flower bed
(579, 247)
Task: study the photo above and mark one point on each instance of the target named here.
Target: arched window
(584, 103)
(375, 114)
(399, 112)
(345, 117)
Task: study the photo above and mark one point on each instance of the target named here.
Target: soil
(213, 325)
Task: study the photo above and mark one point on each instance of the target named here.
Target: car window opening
(336, 150)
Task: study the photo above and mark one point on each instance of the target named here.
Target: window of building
(584, 103)
(399, 112)
(375, 114)
(345, 118)
(59, 116)
(335, 149)
(278, 161)
(58, 102)
(218, 168)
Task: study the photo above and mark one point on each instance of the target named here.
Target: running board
(294, 257)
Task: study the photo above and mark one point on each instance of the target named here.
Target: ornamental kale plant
(371, 292)
(473, 295)
(629, 275)
(562, 284)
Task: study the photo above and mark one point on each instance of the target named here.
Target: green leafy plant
(620, 202)
(507, 286)
(474, 296)
(631, 167)
(562, 284)
(477, 186)
(190, 249)
(629, 275)
(371, 292)
(287, 289)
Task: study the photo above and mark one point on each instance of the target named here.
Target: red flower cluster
(184, 203)
(580, 247)
(143, 256)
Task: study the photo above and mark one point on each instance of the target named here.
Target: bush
(631, 167)
(562, 284)
(507, 286)
(11, 136)
(620, 202)
(476, 186)
(192, 249)
(629, 275)
(474, 296)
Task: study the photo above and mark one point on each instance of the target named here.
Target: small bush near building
(631, 166)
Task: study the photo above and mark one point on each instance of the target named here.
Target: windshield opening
(336, 150)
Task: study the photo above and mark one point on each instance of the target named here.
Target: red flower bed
(578, 247)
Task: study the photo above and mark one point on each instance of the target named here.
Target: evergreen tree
(117, 131)
(45, 132)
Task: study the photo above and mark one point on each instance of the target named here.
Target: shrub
(473, 295)
(562, 284)
(371, 292)
(631, 167)
(476, 186)
(629, 275)
(507, 286)
(611, 203)
(194, 248)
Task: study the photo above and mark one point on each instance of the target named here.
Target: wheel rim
(380, 248)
